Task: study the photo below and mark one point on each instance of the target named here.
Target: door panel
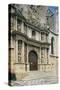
(33, 60)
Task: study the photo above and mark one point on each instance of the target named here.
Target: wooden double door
(33, 60)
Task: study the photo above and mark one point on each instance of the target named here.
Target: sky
(53, 8)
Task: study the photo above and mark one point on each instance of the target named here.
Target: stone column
(47, 56)
(40, 55)
(16, 50)
(23, 52)
(40, 36)
(27, 60)
(11, 56)
(44, 62)
(23, 60)
(40, 60)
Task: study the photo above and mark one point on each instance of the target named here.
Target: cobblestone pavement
(37, 79)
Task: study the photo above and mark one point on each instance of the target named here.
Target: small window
(46, 37)
(12, 22)
(18, 25)
(33, 33)
(52, 45)
(25, 28)
(42, 36)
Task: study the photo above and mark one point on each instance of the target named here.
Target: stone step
(49, 80)
(37, 74)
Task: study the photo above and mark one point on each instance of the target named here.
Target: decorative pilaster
(47, 56)
(40, 55)
(27, 60)
(16, 51)
(40, 36)
(23, 52)
(25, 56)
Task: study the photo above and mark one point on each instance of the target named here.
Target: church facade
(33, 41)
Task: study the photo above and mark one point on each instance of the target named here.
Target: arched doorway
(33, 60)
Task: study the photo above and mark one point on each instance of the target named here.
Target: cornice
(25, 38)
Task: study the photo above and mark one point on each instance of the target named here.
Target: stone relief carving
(32, 14)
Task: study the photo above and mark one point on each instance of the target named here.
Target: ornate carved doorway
(33, 60)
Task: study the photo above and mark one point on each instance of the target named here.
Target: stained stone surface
(34, 14)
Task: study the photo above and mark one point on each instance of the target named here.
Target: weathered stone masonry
(28, 39)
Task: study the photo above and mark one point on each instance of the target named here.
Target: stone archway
(33, 60)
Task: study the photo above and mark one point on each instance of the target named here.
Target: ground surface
(36, 78)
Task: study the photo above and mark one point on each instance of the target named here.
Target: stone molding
(21, 36)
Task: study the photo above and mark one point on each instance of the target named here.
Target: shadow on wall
(11, 77)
